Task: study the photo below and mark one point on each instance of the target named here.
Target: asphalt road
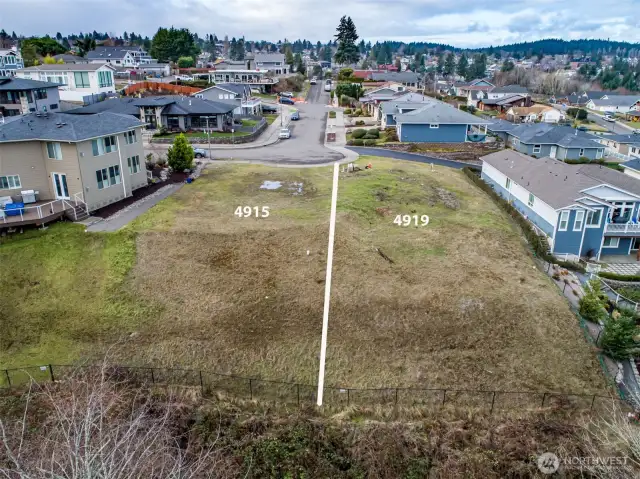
(613, 127)
(306, 145)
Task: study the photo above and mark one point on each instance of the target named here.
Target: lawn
(249, 122)
(270, 118)
(461, 306)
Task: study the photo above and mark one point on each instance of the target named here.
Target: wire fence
(210, 383)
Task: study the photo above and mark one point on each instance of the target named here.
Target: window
(621, 212)
(531, 199)
(134, 164)
(581, 152)
(130, 137)
(10, 182)
(102, 178)
(508, 183)
(537, 148)
(104, 79)
(114, 175)
(220, 96)
(54, 151)
(564, 221)
(104, 145)
(53, 106)
(40, 94)
(434, 126)
(593, 218)
(81, 79)
(610, 242)
(578, 221)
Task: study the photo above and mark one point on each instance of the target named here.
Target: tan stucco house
(91, 160)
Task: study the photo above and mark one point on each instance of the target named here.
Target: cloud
(462, 23)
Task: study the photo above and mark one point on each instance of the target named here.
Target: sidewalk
(336, 125)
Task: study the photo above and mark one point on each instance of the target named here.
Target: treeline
(556, 46)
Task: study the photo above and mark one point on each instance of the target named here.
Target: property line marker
(327, 287)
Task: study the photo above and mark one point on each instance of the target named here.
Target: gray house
(19, 96)
(546, 140)
(389, 109)
(273, 62)
(439, 122)
(408, 79)
(238, 94)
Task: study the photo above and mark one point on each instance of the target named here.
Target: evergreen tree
(171, 44)
(288, 56)
(125, 36)
(58, 36)
(327, 54)
(180, 154)
(14, 36)
(462, 66)
(362, 47)
(618, 337)
(449, 65)
(299, 64)
(440, 66)
(347, 52)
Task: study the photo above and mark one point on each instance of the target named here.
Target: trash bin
(28, 196)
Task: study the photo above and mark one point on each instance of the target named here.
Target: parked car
(266, 108)
(184, 78)
(609, 118)
(199, 152)
(583, 128)
(286, 101)
(295, 115)
(284, 133)
(287, 94)
(636, 131)
(314, 80)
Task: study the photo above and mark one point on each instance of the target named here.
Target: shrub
(359, 122)
(180, 154)
(618, 337)
(347, 111)
(581, 114)
(358, 112)
(370, 142)
(370, 137)
(374, 132)
(592, 304)
(391, 134)
(185, 62)
(355, 142)
(619, 277)
(358, 133)
(332, 94)
(332, 114)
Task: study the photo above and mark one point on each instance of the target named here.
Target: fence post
(298, 391)
(348, 398)
(153, 377)
(592, 401)
(444, 396)
(251, 388)
(493, 401)
(396, 396)
(565, 287)
(6, 372)
(53, 379)
(201, 382)
(544, 396)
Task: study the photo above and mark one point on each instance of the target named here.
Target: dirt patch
(448, 198)
(466, 152)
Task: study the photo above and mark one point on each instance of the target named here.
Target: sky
(461, 23)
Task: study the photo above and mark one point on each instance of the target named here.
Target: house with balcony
(126, 57)
(238, 94)
(623, 147)
(439, 122)
(78, 82)
(10, 62)
(615, 103)
(19, 96)
(270, 62)
(585, 211)
(52, 164)
(546, 139)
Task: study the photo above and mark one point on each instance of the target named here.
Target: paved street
(613, 127)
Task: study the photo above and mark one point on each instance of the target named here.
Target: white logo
(548, 463)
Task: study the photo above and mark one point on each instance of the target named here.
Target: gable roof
(110, 53)
(528, 110)
(510, 89)
(123, 106)
(505, 100)
(269, 57)
(617, 100)
(611, 177)
(66, 127)
(632, 164)
(173, 105)
(393, 107)
(624, 139)
(401, 77)
(438, 112)
(545, 133)
(17, 84)
(68, 67)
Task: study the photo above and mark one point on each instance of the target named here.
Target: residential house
(10, 62)
(76, 81)
(547, 140)
(126, 57)
(407, 79)
(474, 96)
(272, 62)
(621, 146)
(503, 104)
(389, 109)
(633, 115)
(632, 167)
(535, 113)
(257, 79)
(93, 161)
(394, 92)
(439, 122)
(463, 88)
(615, 103)
(507, 90)
(67, 58)
(238, 94)
(173, 112)
(19, 96)
(584, 210)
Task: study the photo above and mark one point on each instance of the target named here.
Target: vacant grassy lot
(461, 306)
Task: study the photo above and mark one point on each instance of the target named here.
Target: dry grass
(462, 306)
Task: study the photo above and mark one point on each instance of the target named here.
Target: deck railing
(622, 228)
(41, 211)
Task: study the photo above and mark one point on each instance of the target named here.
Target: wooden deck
(38, 213)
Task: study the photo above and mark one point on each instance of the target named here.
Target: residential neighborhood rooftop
(616, 100)
(18, 84)
(175, 104)
(68, 67)
(440, 113)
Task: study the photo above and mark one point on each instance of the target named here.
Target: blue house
(439, 122)
(584, 210)
(389, 109)
(547, 140)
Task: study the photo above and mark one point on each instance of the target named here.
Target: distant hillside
(556, 46)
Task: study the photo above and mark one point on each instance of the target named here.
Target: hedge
(355, 142)
(374, 132)
(369, 137)
(370, 142)
(332, 114)
(538, 242)
(619, 277)
(358, 133)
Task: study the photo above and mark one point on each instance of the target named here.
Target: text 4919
(408, 220)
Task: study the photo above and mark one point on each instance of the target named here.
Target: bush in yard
(358, 112)
(370, 142)
(581, 114)
(369, 137)
(332, 114)
(391, 134)
(185, 62)
(374, 132)
(359, 133)
(618, 337)
(347, 111)
(592, 304)
(359, 122)
(355, 142)
(180, 154)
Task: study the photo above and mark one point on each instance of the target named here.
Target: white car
(184, 78)
(314, 80)
(287, 94)
(284, 133)
(609, 118)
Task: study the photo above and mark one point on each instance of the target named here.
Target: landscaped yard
(191, 285)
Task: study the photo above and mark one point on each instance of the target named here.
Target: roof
(546, 133)
(402, 77)
(624, 139)
(238, 88)
(103, 53)
(555, 182)
(510, 89)
(527, 110)
(65, 57)
(174, 105)
(438, 112)
(617, 100)
(577, 99)
(477, 94)
(632, 164)
(65, 127)
(500, 125)
(196, 106)
(18, 84)
(67, 67)
(269, 57)
(505, 100)
(124, 106)
(393, 107)
(633, 113)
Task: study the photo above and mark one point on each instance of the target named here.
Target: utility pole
(208, 138)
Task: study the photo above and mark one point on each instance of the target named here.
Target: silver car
(199, 152)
